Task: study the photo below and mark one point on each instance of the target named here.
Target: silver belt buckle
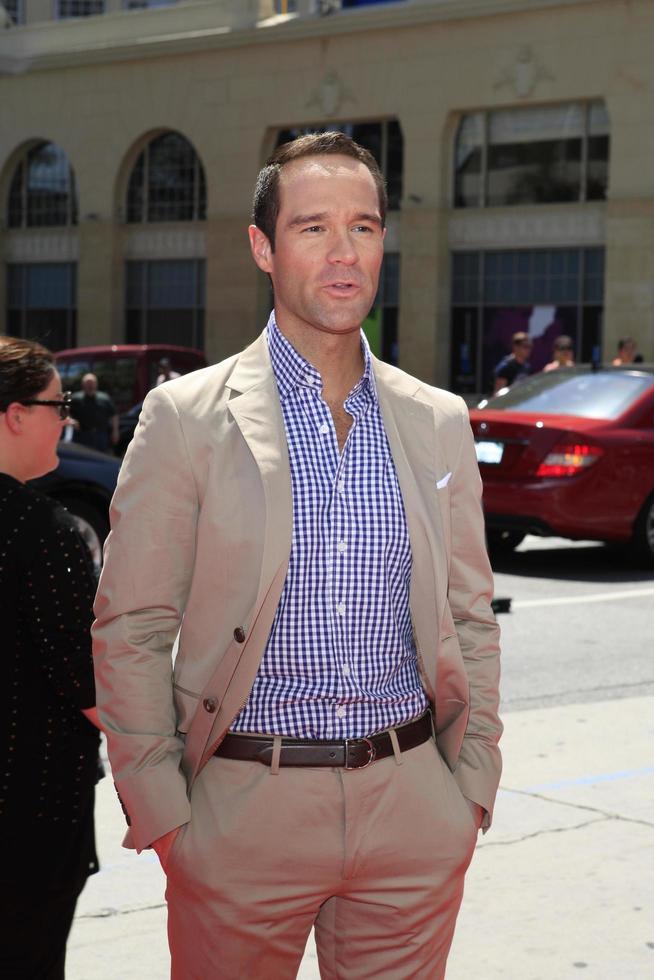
(372, 752)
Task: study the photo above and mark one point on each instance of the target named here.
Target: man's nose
(342, 248)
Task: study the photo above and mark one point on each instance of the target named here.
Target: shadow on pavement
(578, 562)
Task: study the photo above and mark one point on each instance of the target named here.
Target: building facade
(516, 136)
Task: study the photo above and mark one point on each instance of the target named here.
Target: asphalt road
(581, 626)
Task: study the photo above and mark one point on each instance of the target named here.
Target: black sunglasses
(63, 404)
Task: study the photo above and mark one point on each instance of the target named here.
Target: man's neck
(338, 358)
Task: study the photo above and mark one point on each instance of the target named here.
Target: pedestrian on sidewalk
(49, 743)
(515, 365)
(96, 417)
(563, 355)
(320, 545)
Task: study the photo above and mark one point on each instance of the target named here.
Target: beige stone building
(517, 137)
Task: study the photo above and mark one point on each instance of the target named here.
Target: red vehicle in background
(127, 372)
(124, 371)
(570, 453)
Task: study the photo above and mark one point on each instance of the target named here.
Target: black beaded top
(48, 749)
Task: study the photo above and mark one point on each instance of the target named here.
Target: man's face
(522, 350)
(328, 245)
(89, 384)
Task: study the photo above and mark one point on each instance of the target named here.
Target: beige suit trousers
(374, 857)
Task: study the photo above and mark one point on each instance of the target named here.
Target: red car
(570, 453)
(125, 371)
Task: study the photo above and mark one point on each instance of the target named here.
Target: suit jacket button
(210, 705)
(239, 635)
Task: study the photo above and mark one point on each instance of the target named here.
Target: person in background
(562, 354)
(516, 364)
(627, 352)
(95, 416)
(166, 373)
(48, 721)
(321, 546)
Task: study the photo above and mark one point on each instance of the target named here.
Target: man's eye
(363, 228)
(313, 228)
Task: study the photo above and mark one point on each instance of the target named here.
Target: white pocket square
(443, 482)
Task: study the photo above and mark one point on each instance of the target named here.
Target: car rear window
(72, 372)
(600, 395)
(116, 376)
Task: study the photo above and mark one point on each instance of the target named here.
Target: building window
(164, 302)
(79, 8)
(16, 10)
(167, 183)
(383, 139)
(42, 192)
(147, 4)
(532, 155)
(545, 292)
(380, 326)
(42, 304)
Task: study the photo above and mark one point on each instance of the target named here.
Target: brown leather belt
(347, 753)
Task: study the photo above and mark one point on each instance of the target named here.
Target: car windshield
(592, 395)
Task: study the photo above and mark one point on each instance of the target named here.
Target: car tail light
(569, 459)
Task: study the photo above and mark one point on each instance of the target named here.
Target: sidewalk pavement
(561, 887)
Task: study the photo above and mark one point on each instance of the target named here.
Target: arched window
(167, 182)
(532, 155)
(42, 191)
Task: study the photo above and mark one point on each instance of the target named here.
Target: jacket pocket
(186, 704)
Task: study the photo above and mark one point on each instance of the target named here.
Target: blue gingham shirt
(340, 660)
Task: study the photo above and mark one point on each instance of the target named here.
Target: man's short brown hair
(265, 208)
(520, 338)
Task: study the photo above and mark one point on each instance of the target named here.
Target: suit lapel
(256, 410)
(411, 431)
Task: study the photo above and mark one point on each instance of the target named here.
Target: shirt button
(239, 635)
(324, 429)
(340, 486)
(341, 712)
(309, 379)
(341, 546)
(340, 608)
(346, 670)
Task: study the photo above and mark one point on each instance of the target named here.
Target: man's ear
(260, 247)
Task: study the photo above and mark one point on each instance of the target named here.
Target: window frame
(146, 206)
(58, 4)
(23, 164)
(146, 309)
(486, 115)
(473, 302)
(23, 310)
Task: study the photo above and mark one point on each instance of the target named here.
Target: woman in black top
(48, 721)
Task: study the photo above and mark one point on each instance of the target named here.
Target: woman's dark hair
(265, 209)
(25, 369)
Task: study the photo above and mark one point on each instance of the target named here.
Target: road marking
(570, 600)
(607, 777)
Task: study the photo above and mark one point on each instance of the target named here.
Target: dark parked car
(570, 453)
(84, 483)
(127, 423)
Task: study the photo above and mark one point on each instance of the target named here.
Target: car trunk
(512, 448)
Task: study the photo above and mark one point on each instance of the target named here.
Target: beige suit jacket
(201, 526)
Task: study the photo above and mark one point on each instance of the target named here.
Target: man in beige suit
(317, 549)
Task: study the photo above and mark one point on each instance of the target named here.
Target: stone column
(423, 334)
(629, 307)
(99, 284)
